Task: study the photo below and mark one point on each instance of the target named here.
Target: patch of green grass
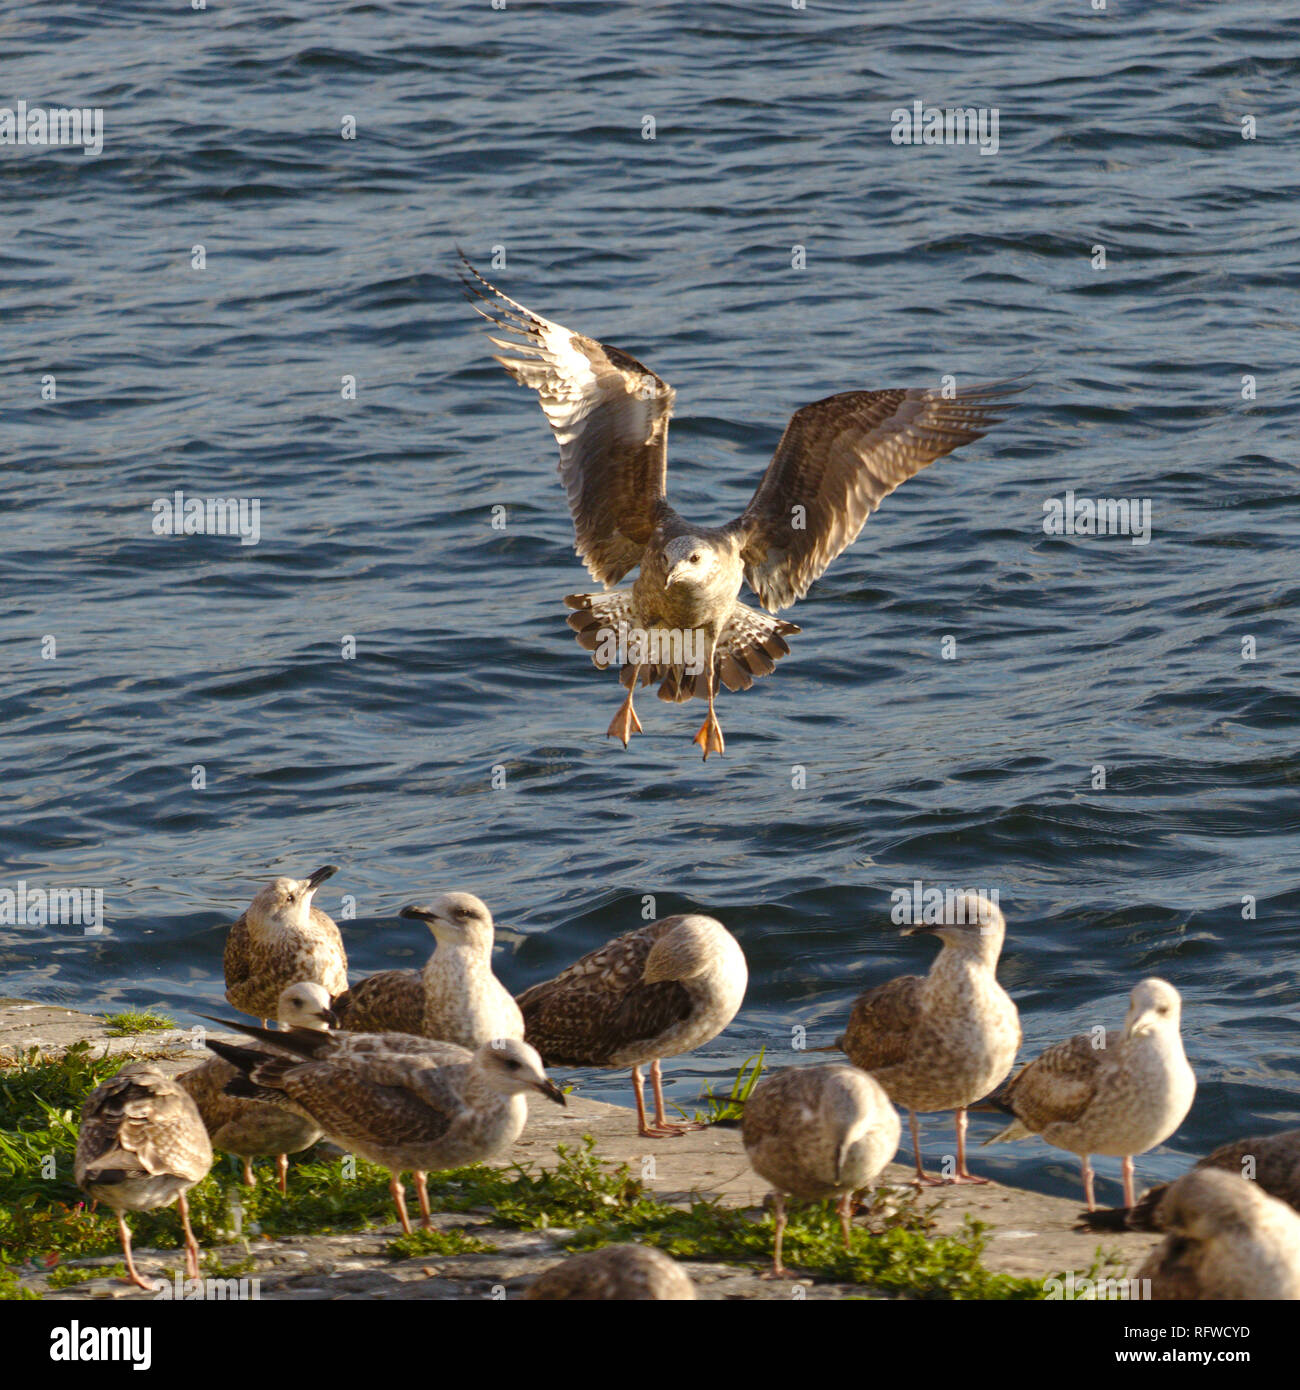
(132, 1021)
(66, 1276)
(456, 1241)
(730, 1108)
(10, 1288)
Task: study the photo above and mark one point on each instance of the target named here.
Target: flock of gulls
(421, 1071)
(430, 1070)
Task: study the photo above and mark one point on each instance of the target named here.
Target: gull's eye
(514, 1066)
(695, 559)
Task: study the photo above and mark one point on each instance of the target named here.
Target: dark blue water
(327, 257)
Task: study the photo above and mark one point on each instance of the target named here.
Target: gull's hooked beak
(315, 880)
(431, 919)
(328, 1017)
(917, 929)
(551, 1091)
(675, 576)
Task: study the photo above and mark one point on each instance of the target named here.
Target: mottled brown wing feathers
(390, 1001)
(837, 460)
(353, 1102)
(147, 1123)
(236, 960)
(599, 1005)
(1059, 1085)
(609, 415)
(882, 1023)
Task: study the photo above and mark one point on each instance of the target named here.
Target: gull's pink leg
(282, 1171)
(710, 735)
(399, 1200)
(662, 1121)
(422, 1192)
(191, 1245)
(846, 1216)
(962, 1174)
(778, 1270)
(132, 1274)
(1129, 1199)
(250, 1178)
(922, 1179)
(1087, 1184)
(625, 723)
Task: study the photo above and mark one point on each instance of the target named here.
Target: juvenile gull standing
(816, 1132)
(281, 940)
(942, 1041)
(655, 992)
(456, 998)
(142, 1145)
(1107, 1092)
(1271, 1160)
(252, 1128)
(1227, 1240)
(681, 623)
(429, 1107)
(622, 1273)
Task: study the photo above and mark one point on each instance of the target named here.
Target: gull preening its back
(428, 1107)
(655, 992)
(252, 1128)
(280, 940)
(1227, 1240)
(142, 1145)
(942, 1041)
(1107, 1092)
(817, 1132)
(837, 460)
(616, 1273)
(456, 998)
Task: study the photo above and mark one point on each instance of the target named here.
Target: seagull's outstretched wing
(836, 461)
(610, 416)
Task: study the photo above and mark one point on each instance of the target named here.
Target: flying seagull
(681, 622)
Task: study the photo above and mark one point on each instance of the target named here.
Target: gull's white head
(287, 901)
(972, 922)
(1155, 1007)
(456, 919)
(690, 561)
(513, 1068)
(306, 1005)
(695, 945)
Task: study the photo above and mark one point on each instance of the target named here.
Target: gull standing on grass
(655, 992)
(430, 1107)
(942, 1041)
(281, 940)
(817, 1132)
(142, 1145)
(837, 460)
(1107, 1092)
(456, 998)
(251, 1128)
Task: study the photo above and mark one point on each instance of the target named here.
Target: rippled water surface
(523, 129)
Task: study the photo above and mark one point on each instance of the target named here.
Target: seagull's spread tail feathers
(749, 646)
